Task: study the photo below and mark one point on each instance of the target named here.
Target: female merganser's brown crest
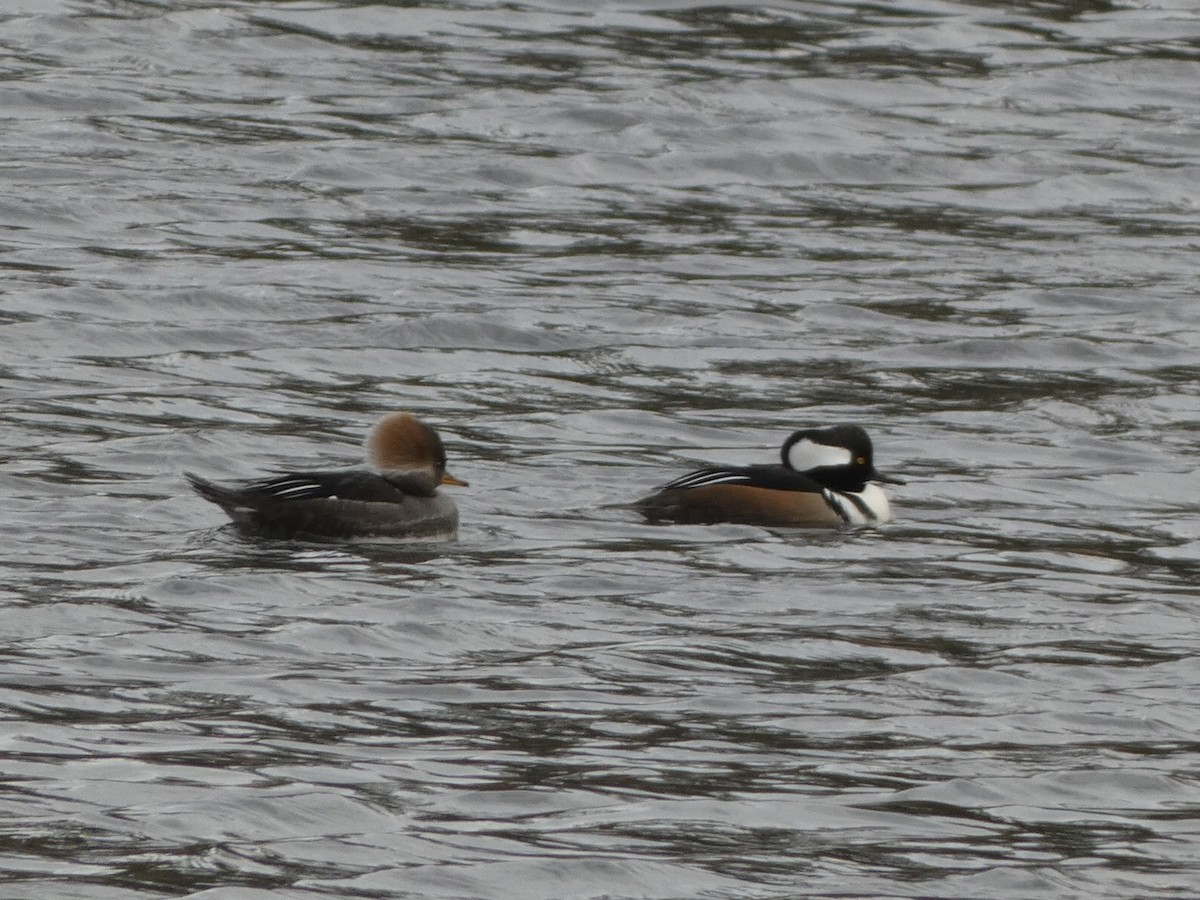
(401, 442)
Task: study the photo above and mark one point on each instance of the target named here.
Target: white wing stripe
(298, 491)
(704, 479)
(276, 483)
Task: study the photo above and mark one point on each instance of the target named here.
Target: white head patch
(805, 454)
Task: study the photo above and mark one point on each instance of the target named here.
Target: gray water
(596, 245)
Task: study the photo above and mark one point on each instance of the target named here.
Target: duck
(826, 478)
(397, 498)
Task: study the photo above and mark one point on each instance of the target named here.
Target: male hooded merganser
(825, 480)
(399, 500)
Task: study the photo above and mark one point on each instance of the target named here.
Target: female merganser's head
(401, 444)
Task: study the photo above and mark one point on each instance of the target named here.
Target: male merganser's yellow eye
(862, 460)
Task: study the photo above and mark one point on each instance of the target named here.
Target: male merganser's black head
(839, 457)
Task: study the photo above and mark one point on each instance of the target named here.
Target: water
(596, 245)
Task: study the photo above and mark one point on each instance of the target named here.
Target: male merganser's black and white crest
(399, 499)
(827, 477)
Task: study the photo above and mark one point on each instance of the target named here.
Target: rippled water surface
(597, 244)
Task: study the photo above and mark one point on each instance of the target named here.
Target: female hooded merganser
(400, 500)
(825, 480)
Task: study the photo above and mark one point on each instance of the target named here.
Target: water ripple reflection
(598, 245)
